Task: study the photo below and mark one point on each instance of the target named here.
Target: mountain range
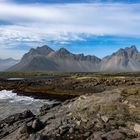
(7, 63)
(46, 59)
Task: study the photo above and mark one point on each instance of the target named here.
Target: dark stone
(26, 114)
(3, 134)
(128, 133)
(71, 130)
(37, 125)
(87, 134)
(107, 127)
(95, 136)
(113, 135)
(38, 137)
(47, 107)
(64, 129)
(16, 117)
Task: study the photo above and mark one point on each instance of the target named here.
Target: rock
(23, 129)
(113, 135)
(128, 132)
(104, 118)
(82, 97)
(22, 133)
(71, 130)
(137, 117)
(64, 129)
(27, 114)
(125, 102)
(17, 117)
(37, 125)
(13, 122)
(78, 123)
(95, 136)
(84, 120)
(47, 107)
(132, 106)
(108, 127)
(137, 128)
(87, 134)
(38, 137)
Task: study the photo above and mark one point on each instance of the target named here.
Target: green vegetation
(27, 74)
(72, 74)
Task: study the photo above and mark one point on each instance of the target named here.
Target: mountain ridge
(7, 63)
(127, 59)
(46, 59)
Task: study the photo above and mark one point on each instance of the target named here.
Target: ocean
(11, 103)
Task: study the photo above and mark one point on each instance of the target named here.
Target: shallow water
(15, 79)
(11, 103)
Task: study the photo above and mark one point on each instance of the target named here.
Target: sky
(96, 27)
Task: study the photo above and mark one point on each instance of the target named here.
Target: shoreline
(84, 117)
(101, 107)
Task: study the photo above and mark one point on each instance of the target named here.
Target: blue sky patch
(97, 27)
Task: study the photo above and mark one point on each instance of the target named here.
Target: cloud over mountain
(29, 23)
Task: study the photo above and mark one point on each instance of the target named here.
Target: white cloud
(17, 34)
(65, 22)
(122, 19)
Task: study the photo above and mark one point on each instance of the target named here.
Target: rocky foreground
(113, 114)
(62, 88)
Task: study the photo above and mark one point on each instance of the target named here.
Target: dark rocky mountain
(7, 63)
(127, 59)
(45, 59)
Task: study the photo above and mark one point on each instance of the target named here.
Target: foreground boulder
(100, 116)
(137, 128)
(13, 122)
(22, 133)
(17, 117)
(37, 125)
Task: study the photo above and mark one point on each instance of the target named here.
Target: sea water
(11, 103)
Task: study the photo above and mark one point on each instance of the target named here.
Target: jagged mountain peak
(44, 58)
(130, 51)
(44, 50)
(133, 47)
(44, 47)
(125, 59)
(63, 51)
